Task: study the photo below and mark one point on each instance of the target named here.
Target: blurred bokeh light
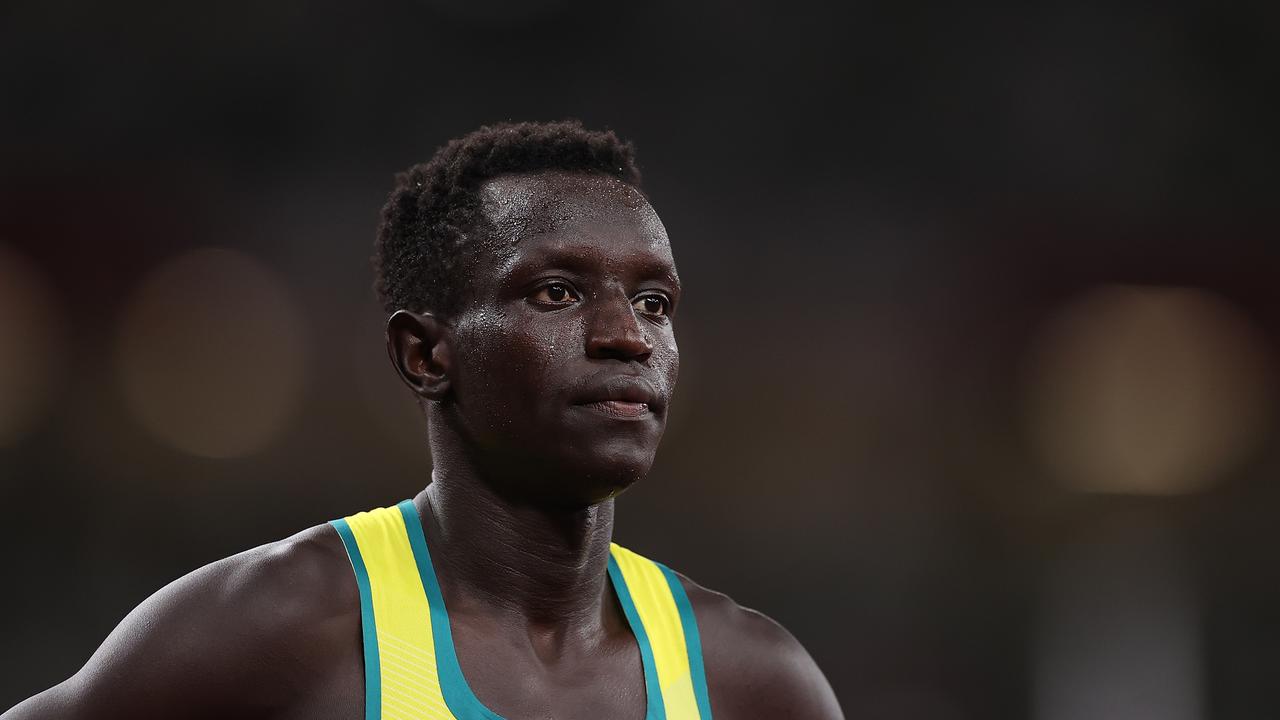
(1147, 390)
(31, 336)
(211, 353)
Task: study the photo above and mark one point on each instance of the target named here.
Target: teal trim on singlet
(458, 696)
(692, 641)
(372, 668)
(656, 708)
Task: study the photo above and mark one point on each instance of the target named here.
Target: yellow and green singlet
(410, 667)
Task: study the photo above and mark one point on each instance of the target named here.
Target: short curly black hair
(435, 207)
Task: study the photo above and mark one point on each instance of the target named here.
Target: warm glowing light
(31, 337)
(1147, 390)
(211, 354)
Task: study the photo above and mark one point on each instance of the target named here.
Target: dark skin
(546, 394)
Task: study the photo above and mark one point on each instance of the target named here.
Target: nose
(614, 332)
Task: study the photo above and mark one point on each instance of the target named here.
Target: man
(531, 288)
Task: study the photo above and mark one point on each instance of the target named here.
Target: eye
(654, 305)
(556, 293)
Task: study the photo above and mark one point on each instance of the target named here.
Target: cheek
(549, 347)
(513, 365)
(666, 360)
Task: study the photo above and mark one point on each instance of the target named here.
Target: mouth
(620, 409)
(625, 397)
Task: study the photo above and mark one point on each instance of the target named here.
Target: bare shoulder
(755, 667)
(242, 635)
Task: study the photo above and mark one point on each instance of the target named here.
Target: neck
(540, 566)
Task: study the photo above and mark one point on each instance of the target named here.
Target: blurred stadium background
(980, 335)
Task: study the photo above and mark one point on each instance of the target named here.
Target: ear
(420, 348)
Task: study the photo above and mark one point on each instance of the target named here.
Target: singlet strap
(401, 679)
(653, 595)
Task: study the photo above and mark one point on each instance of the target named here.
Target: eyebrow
(651, 269)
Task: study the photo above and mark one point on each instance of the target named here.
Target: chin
(607, 475)
(577, 469)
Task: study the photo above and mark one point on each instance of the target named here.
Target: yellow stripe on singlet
(656, 607)
(410, 683)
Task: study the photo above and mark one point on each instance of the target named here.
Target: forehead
(582, 213)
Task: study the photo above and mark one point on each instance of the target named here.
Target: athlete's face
(565, 352)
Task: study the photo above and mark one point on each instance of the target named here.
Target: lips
(619, 409)
(621, 396)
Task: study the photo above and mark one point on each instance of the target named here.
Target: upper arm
(221, 641)
(161, 659)
(755, 668)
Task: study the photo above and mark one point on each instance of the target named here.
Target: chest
(499, 678)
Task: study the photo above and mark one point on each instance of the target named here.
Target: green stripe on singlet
(458, 695)
(372, 668)
(692, 641)
(656, 707)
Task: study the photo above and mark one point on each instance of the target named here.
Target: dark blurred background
(979, 337)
